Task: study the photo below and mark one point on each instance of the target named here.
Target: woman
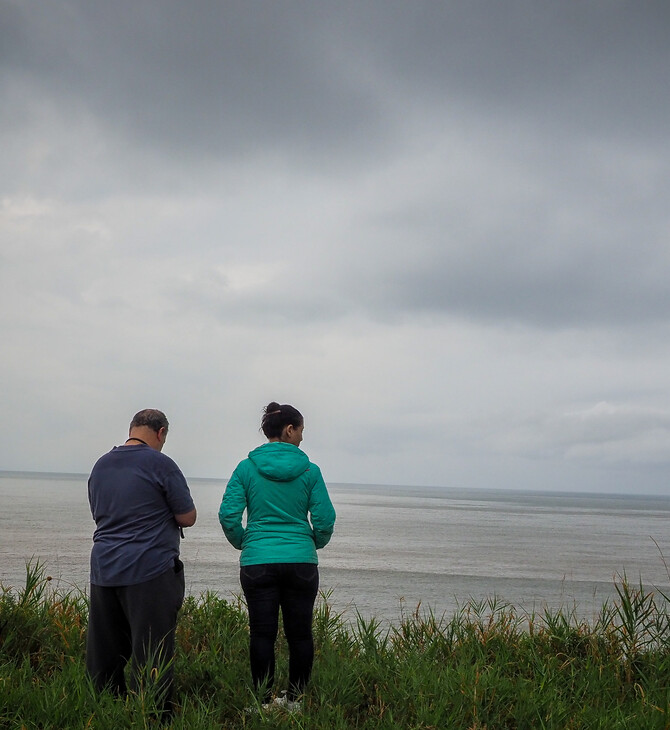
(289, 516)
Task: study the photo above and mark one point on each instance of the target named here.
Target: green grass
(486, 667)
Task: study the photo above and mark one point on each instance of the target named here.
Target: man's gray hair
(152, 418)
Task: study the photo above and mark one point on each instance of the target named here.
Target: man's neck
(144, 435)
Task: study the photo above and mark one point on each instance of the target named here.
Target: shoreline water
(394, 546)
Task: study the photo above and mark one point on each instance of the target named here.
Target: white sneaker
(255, 709)
(289, 705)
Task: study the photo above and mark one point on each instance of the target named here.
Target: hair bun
(276, 417)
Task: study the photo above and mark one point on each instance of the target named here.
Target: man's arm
(187, 519)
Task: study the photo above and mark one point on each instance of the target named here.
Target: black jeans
(293, 588)
(137, 622)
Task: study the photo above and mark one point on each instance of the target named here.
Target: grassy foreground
(484, 668)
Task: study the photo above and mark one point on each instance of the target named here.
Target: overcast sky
(439, 229)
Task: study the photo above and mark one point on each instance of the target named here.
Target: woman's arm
(322, 512)
(232, 508)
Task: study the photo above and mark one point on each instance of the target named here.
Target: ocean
(394, 547)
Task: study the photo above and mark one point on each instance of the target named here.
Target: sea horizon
(438, 488)
(394, 546)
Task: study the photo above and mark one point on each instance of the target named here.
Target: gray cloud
(208, 82)
(212, 82)
(619, 434)
(567, 276)
(436, 226)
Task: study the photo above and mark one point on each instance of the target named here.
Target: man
(140, 503)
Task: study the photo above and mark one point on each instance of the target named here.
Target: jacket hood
(279, 461)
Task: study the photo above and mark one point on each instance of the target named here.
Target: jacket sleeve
(322, 512)
(232, 508)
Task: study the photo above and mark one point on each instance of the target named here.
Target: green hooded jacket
(289, 512)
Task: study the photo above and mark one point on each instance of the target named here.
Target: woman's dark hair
(276, 417)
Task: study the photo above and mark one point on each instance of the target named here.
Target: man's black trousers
(135, 622)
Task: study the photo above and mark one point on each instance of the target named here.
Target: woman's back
(280, 489)
(289, 516)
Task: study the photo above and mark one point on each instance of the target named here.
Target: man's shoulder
(120, 456)
(106, 458)
(160, 460)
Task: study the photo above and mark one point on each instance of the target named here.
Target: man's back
(134, 493)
